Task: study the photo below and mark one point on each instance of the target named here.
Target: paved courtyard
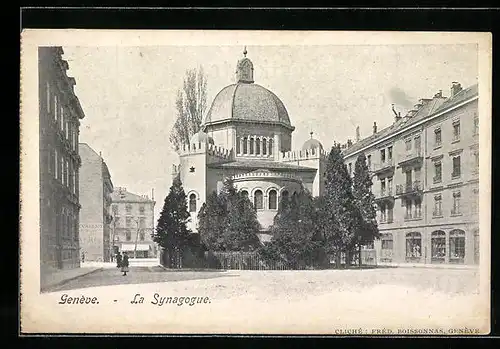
(137, 275)
(322, 301)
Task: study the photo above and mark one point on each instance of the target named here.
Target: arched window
(264, 146)
(244, 193)
(238, 147)
(257, 200)
(438, 246)
(257, 146)
(413, 246)
(273, 205)
(192, 203)
(245, 145)
(270, 147)
(457, 246)
(387, 246)
(251, 145)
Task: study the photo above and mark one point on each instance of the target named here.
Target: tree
(241, 224)
(191, 103)
(294, 237)
(365, 202)
(172, 233)
(340, 214)
(228, 221)
(211, 220)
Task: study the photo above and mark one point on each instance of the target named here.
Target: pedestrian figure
(118, 260)
(83, 256)
(125, 264)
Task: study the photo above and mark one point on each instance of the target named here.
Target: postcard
(255, 182)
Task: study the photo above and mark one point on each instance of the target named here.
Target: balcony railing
(385, 166)
(413, 158)
(385, 195)
(409, 188)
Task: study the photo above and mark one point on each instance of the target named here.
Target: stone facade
(60, 113)
(132, 224)
(425, 171)
(95, 197)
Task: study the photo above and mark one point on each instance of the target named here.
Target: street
(136, 275)
(267, 301)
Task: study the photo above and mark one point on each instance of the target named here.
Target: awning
(131, 247)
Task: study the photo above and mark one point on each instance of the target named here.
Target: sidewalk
(55, 278)
(432, 266)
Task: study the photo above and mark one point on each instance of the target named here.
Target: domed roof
(247, 101)
(312, 144)
(201, 137)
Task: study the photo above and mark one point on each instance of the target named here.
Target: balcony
(410, 189)
(384, 167)
(412, 159)
(384, 196)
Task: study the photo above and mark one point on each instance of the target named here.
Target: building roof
(434, 106)
(246, 101)
(258, 165)
(459, 97)
(121, 194)
(312, 143)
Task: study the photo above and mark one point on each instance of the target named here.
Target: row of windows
(128, 209)
(386, 154)
(414, 207)
(413, 210)
(456, 167)
(131, 222)
(128, 236)
(455, 245)
(386, 183)
(61, 117)
(62, 169)
(455, 131)
(258, 199)
(254, 145)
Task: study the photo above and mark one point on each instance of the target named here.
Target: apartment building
(60, 113)
(132, 224)
(95, 198)
(425, 173)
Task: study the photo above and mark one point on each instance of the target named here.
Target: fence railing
(255, 261)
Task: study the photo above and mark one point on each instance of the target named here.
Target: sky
(128, 94)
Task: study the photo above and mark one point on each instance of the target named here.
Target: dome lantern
(244, 69)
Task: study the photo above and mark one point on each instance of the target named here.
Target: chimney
(398, 115)
(374, 127)
(424, 101)
(357, 134)
(100, 154)
(439, 94)
(349, 143)
(455, 88)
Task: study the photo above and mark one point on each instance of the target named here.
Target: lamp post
(136, 238)
(113, 238)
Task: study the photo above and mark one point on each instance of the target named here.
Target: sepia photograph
(251, 182)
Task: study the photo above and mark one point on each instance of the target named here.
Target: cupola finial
(245, 51)
(311, 133)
